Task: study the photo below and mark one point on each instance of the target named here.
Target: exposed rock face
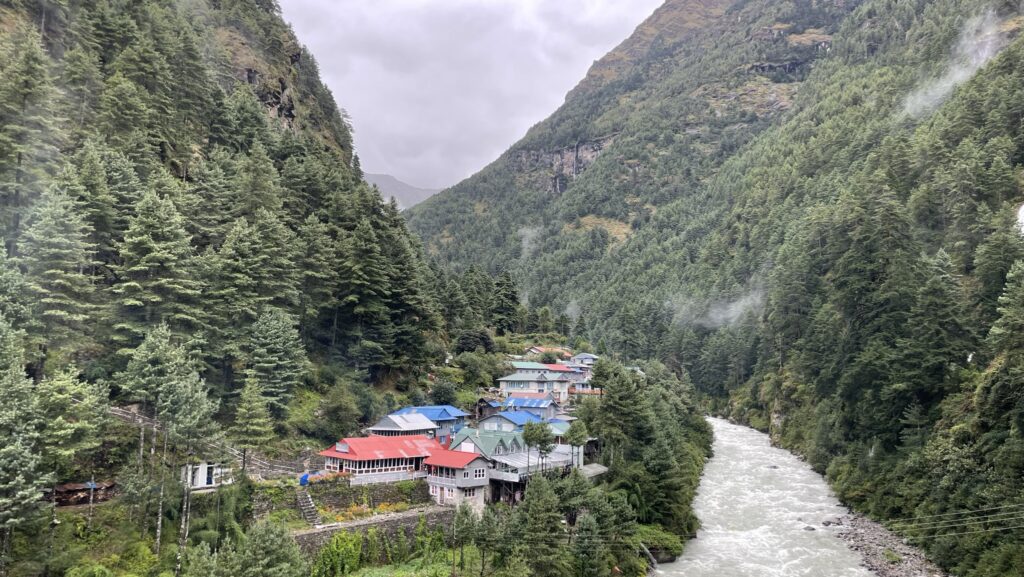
(564, 164)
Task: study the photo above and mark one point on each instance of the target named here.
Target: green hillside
(811, 209)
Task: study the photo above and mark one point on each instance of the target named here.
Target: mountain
(809, 208)
(405, 194)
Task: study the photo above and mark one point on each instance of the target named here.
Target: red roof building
(380, 459)
(457, 477)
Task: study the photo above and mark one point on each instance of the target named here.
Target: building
(545, 408)
(457, 477)
(586, 359)
(199, 476)
(547, 382)
(380, 459)
(508, 421)
(447, 418)
(488, 443)
(560, 352)
(411, 424)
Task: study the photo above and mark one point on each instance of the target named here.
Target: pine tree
(257, 182)
(539, 521)
(590, 558)
(155, 284)
(1007, 334)
(362, 296)
(15, 296)
(252, 428)
(126, 188)
(124, 117)
(275, 260)
(270, 551)
(82, 80)
(96, 200)
(153, 366)
(28, 134)
(22, 476)
(216, 204)
(505, 308)
(246, 118)
(319, 278)
(277, 359)
(55, 255)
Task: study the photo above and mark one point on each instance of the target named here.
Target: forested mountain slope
(182, 164)
(845, 271)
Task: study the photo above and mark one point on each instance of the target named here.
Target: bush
(654, 537)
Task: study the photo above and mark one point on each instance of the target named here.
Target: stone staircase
(307, 508)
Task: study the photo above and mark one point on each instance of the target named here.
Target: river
(755, 503)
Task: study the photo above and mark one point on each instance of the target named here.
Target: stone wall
(312, 540)
(338, 495)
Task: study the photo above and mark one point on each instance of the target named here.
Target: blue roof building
(448, 419)
(508, 421)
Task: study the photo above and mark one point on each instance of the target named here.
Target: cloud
(979, 42)
(528, 235)
(439, 88)
(716, 314)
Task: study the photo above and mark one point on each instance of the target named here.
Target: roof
(518, 418)
(453, 459)
(410, 422)
(534, 377)
(369, 448)
(434, 412)
(585, 356)
(487, 441)
(528, 403)
(558, 428)
(560, 456)
(528, 366)
(525, 395)
(560, 368)
(559, 350)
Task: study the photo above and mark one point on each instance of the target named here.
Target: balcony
(392, 477)
(459, 482)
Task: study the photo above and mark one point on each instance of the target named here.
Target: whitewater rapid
(756, 503)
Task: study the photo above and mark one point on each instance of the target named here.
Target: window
(479, 473)
(449, 492)
(470, 492)
(465, 474)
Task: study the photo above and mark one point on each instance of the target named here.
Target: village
(521, 427)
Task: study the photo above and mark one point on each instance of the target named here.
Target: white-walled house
(380, 459)
(205, 475)
(548, 382)
(456, 477)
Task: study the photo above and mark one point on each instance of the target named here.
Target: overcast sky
(439, 88)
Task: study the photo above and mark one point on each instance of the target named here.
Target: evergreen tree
(55, 253)
(271, 552)
(22, 475)
(96, 200)
(156, 284)
(277, 358)
(15, 303)
(82, 80)
(539, 521)
(216, 204)
(257, 182)
(504, 313)
(318, 278)
(252, 428)
(1007, 333)
(27, 130)
(590, 558)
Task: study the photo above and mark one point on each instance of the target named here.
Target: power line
(1006, 516)
(979, 531)
(966, 511)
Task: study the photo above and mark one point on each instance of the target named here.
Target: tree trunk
(5, 547)
(92, 498)
(160, 500)
(186, 511)
(53, 526)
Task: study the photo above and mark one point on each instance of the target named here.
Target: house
(508, 421)
(205, 475)
(586, 359)
(447, 418)
(574, 374)
(547, 382)
(380, 459)
(545, 408)
(411, 424)
(488, 443)
(486, 407)
(524, 395)
(560, 352)
(456, 477)
(559, 429)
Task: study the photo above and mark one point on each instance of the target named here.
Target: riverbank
(883, 551)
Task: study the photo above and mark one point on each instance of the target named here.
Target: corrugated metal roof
(410, 422)
(559, 457)
(452, 459)
(528, 403)
(434, 412)
(369, 448)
